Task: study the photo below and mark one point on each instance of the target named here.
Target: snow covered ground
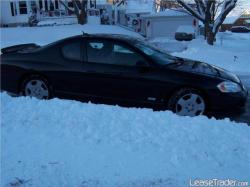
(68, 143)
(231, 51)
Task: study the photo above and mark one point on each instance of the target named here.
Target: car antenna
(84, 33)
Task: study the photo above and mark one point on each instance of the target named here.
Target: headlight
(229, 87)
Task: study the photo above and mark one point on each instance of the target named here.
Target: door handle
(112, 73)
(104, 73)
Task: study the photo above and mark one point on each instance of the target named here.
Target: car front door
(118, 72)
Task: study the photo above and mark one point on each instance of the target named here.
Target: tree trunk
(82, 18)
(209, 35)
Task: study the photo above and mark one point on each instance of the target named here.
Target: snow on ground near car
(69, 143)
(46, 35)
(231, 51)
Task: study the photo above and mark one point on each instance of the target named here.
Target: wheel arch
(178, 88)
(31, 73)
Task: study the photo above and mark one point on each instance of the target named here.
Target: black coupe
(117, 69)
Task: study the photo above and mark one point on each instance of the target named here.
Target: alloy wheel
(190, 105)
(36, 88)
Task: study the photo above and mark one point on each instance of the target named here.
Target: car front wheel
(187, 102)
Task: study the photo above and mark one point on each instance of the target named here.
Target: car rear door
(68, 76)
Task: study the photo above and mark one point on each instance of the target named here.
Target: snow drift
(69, 143)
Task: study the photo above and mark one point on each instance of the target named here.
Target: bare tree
(162, 5)
(92, 3)
(116, 4)
(211, 13)
(79, 8)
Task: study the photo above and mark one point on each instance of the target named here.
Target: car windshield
(161, 57)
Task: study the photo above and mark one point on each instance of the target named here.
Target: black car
(240, 29)
(182, 36)
(185, 32)
(117, 69)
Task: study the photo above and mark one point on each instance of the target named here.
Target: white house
(166, 23)
(14, 12)
(17, 12)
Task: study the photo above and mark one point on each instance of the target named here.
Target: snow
(68, 143)
(46, 35)
(169, 45)
(230, 19)
(58, 21)
(139, 6)
(168, 13)
(95, 20)
(231, 51)
(186, 29)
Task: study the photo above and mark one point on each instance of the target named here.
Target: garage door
(166, 27)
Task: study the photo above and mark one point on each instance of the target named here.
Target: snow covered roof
(168, 13)
(134, 6)
(137, 12)
(230, 19)
(186, 29)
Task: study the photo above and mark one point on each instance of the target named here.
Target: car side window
(72, 51)
(109, 52)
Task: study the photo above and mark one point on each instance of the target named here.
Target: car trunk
(20, 48)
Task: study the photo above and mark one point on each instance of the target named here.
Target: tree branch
(191, 10)
(228, 6)
(66, 6)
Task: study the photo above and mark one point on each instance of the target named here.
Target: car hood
(198, 67)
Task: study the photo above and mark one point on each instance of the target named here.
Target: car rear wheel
(36, 86)
(187, 102)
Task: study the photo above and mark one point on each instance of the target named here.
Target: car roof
(121, 37)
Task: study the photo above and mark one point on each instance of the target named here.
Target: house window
(51, 6)
(46, 5)
(33, 6)
(70, 4)
(57, 4)
(12, 8)
(23, 7)
(40, 4)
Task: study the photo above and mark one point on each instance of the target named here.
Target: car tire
(36, 86)
(187, 102)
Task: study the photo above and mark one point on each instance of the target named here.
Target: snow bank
(231, 51)
(68, 143)
(57, 22)
(45, 35)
